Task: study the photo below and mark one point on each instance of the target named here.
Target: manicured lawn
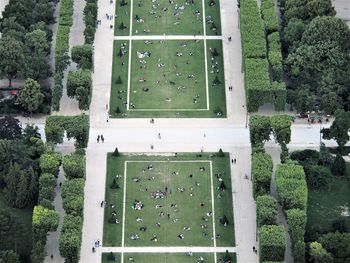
(23, 244)
(212, 18)
(166, 258)
(161, 17)
(123, 16)
(187, 200)
(164, 81)
(171, 82)
(328, 205)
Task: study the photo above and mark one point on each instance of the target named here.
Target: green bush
(73, 196)
(252, 31)
(291, 186)
(268, 13)
(280, 125)
(79, 84)
(339, 166)
(257, 83)
(272, 243)
(90, 18)
(259, 128)
(279, 95)
(318, 177)
(66, 13)
(43, 221)
(266, 210)
(299, 252)
(50, 163)
(261, 173)
(74, 166)
(296, 220)
(82, 55)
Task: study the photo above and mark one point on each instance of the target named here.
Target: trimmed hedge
(252, 30)
(291, 186)
(257, 83)
(47, 183)
(296, 220)
(79, 85)
(73, 196)
(90, 18)
(281, 128)
(82, 55)
(77, 127)
(259, 129)
(50, 163)
(74, 166)
(266, 210)
(66, 13)
(272, 243)
(268, 13)
(261, 173)
(279, 95)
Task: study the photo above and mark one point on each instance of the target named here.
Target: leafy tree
(50, 163)
(280, 125)
(116, 152)
(320, 8)
(221, 153)
(11, 28)
(82, 55)
(304, 100)
(12, 58)
(319, 254)
(293, 32)
(11, 230)
(330, 102)
(339, 166)
(44, 220)
(318, 177)
(10, 128)
(260, 129)
(30, 96)
(74, 166)
(36, 48)
(11, 180)
(79, 84)
(22, 195)
(339, 128)
(9, 256)
(337, 244)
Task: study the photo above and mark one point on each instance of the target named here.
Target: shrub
(280, 125)
(73, 196)
(79, 84)
(44, 220)
(272, 242)
(279, 95)
(82, 55)
(66, 13)
(296, 220)
(74, 166)
(260, 129)
(339, 166)
(90, 18)
(299, 252)
(318, 177)
(261, 173)
(268, 13)
(50, 163)
(266, 210)
(116, 152)
(257, 83)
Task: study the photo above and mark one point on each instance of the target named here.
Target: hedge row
(76, 127)
(272, 243)
(73, 196)
(252, 30)
(268, 13)
(50, 163)
(90, 18)
(266, 210)
(79, 86)
(65, 21)
(292, 190)
(74, 166)
(257, 83)
(261, 173)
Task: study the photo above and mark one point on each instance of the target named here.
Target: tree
(339, 166)
(260, 129)
(9, 256)
(9, 128)
(36, 48)
(22, 195)
(339, 128)
(319, 254)
(293, 32)
(116, 152)
(30, 96)
(266, 213)
(74, 166)
(11, 28)
(330, 102)
(11, 230)
(337, 244)
(12, 58)
(82, 55)
(221, 153)
(320, 8)
(318, 177)
(11, 181)
(303, 101)
(79, 84)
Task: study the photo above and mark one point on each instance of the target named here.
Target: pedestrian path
(165, 249)
(167, 37)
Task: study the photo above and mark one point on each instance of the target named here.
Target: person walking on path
(102, 138)
(159, 137)
(98, 138)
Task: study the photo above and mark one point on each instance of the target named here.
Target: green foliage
(279, 95)
(319, 254)
(11, 230)
(281, 128)
(272, 242)
(257, 83)
(339, 128)
(66, 13)
(90, 19)
(10, 128)
(30, 96)
(296, 220)
(77, 127)
(261, 173)
(259, 128)
(252, 31)
(291, 186)
(9, 256)
(116, 152)
(268, 13)
(44, 220)
(299, 252)
(318, 177)
(74, 166)
(221, 153)
(50, 163)
(73, 196)
(293, 32)
(47, 183)
(337, 244)
(339, 166)
(79, 84)
(57, 91)
(82, 55)
(266, 210)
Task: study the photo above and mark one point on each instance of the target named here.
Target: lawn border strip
(124, 201)
(129, 78)
(168, 37)
(213, 208)
(205, 54)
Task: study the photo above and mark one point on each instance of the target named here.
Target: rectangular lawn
(176, 195)
(168, 79)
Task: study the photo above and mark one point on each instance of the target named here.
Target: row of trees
(65, 21)
(24, 50)
(260, 54)
(317, 56)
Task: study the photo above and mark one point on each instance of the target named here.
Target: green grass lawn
(325, 206)
(166, 84)
(192, 205)
(161, 17)
(166, 257)
(166, 75)
(212, 18)
(122, 21)
(23, 244)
